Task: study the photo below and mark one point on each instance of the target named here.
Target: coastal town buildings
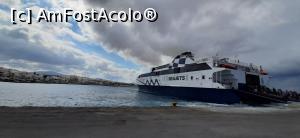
(12, 75)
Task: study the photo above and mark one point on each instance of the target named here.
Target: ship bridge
(238, 65)
(179, 61)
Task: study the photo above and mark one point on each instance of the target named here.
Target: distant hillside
(50, 73)
(12, 75)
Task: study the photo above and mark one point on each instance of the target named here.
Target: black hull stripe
(212, 95)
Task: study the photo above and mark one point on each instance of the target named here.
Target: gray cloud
(205, 27)
(19, 52)
(15, 44)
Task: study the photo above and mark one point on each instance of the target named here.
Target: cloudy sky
(265, 32)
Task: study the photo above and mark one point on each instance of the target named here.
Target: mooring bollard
(174, 104)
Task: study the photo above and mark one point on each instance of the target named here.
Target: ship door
(252, 80)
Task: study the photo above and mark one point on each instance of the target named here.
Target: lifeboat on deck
(228, 66)
(263, 72)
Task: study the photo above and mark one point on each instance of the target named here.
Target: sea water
(68, 95)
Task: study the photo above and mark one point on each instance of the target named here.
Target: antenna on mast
(217, 54)
(236, 56)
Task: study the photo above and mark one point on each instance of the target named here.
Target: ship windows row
(186, 68)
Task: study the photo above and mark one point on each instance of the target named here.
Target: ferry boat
(214, 80)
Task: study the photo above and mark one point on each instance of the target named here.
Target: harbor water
(67, 95)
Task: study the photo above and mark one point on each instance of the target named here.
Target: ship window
(156, 73)
(182, 61)
(203, 77)
(192, 77)
(177, 70)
